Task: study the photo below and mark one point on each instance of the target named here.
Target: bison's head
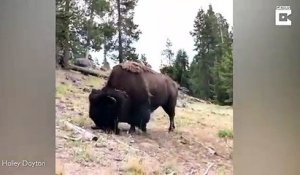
(106, 108)
(102, 109)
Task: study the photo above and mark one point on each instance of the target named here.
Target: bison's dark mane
(136, 67)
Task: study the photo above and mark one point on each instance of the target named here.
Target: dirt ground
(194, 148)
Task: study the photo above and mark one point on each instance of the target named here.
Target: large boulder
(83, 62)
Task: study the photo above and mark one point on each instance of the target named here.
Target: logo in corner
(282, 14)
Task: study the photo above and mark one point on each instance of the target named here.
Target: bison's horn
(112, 98)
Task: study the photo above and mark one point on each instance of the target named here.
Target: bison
(133, 91)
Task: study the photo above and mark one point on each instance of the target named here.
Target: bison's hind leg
(170, 110)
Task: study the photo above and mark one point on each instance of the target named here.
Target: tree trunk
(67, 37)
(120, 32)
(90, 22)
(87, 54)
(57, 57)
(105, 53)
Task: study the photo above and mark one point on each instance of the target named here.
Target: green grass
(95, 82)
(225, 133)
(62, 90)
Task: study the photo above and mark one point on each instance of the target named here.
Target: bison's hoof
(145, 134)
(109, 131)
(131, 130)
(171, 129)
(117, 132)
(144, 130)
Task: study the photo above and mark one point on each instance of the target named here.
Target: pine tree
(181, 68)
(225, 85)
(127, 31)
(200, 67)
(109, 31)
(223, 59)
(68, 21)
(212, 42)
(76, 28)
(143, 58)
(168, 54)
(93, 33)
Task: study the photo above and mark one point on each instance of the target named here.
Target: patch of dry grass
(188, 118)
(83, 152)
(221, 171)
(171, 167)
(81, 121)
(95, 82)
(135, 166)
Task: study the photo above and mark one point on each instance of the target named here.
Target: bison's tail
(176, 85)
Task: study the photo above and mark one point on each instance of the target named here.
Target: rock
(184, 140)
(86, 90)
(132, 141)
(181, 104)
(83, 62)
(100, 145)
(118, 159)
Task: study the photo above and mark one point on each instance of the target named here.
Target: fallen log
(87, 71)
(86, 135)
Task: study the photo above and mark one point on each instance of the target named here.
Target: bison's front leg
(132, 129)
(116, 127)
(117, 131)
(144, 127)
(145, 117)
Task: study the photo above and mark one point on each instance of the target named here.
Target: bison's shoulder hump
(136, 67)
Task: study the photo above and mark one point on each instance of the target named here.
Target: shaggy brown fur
(136, 67)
